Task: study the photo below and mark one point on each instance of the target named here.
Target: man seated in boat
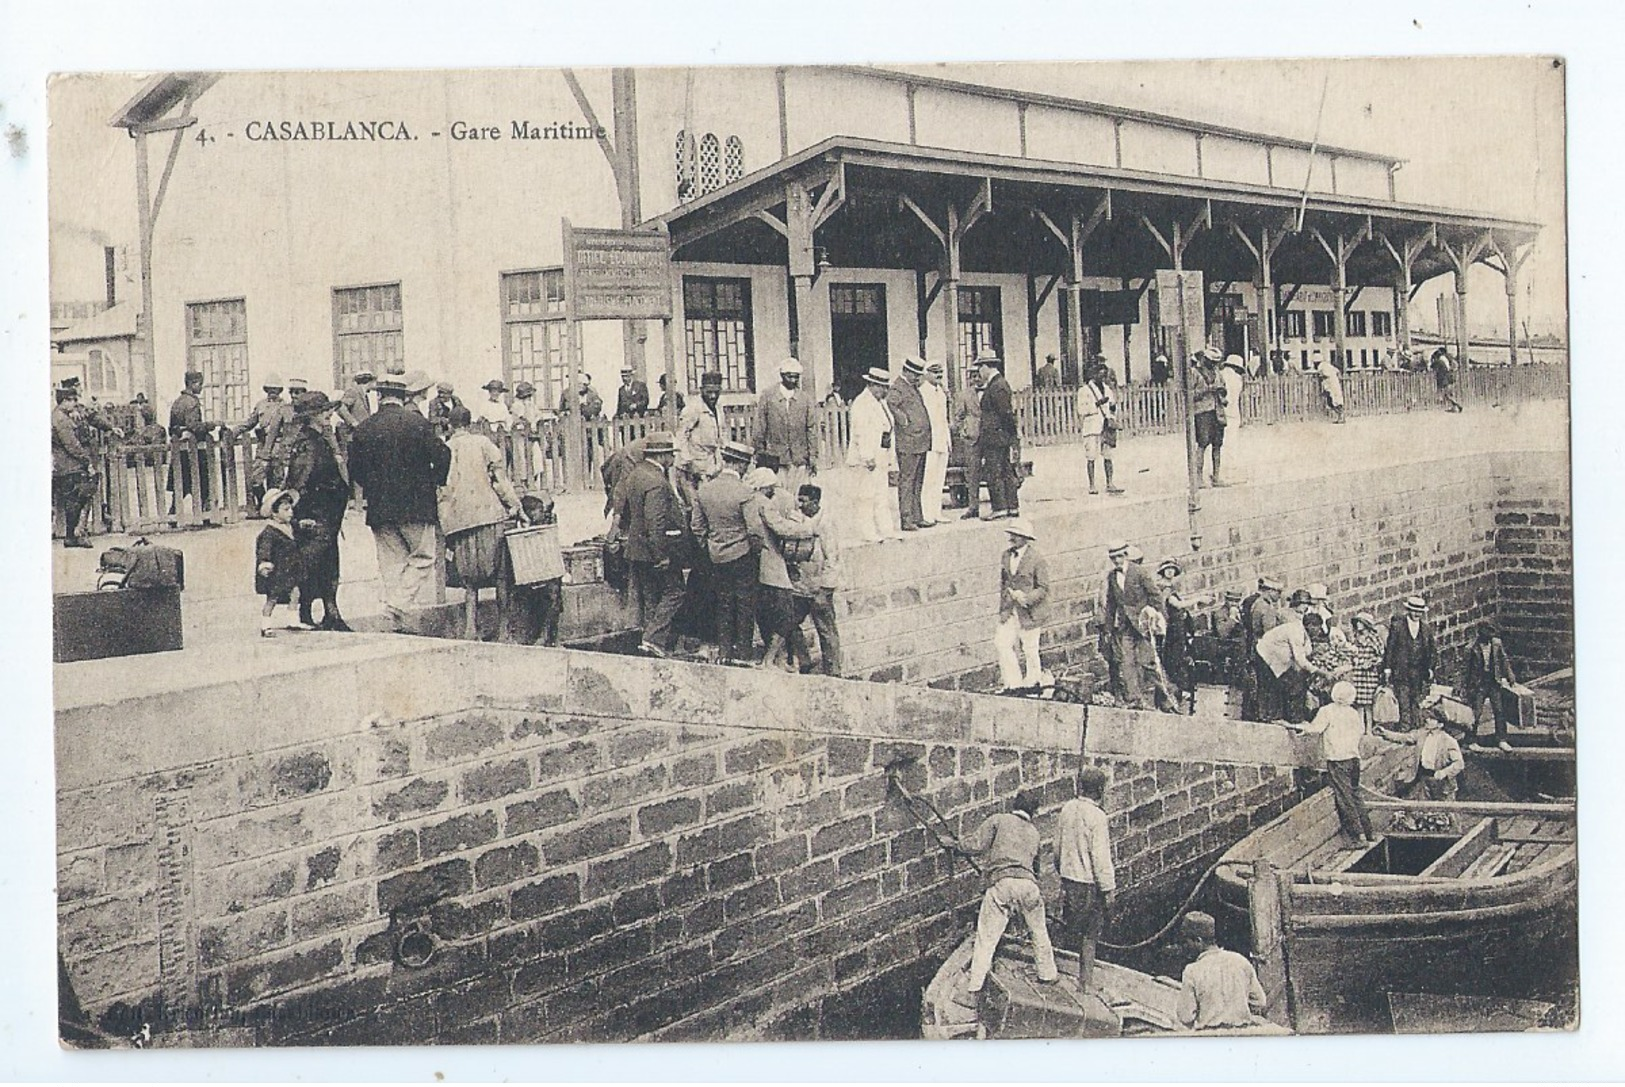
(1220, 989)
(1006, 849)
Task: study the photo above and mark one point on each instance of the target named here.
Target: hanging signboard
(616, 274)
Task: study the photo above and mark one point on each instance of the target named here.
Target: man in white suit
(870, 459)
(935, 396)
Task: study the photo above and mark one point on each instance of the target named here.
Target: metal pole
(1193, 469)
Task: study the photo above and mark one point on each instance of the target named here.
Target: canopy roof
(875, 228)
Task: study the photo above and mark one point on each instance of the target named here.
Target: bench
(959, 492)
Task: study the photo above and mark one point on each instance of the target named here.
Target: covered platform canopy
(868, 203)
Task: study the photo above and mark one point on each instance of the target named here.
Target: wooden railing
(137, 488)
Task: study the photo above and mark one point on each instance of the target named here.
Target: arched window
(733, 163)
(710, 163)
(97, 371)
(683, 159)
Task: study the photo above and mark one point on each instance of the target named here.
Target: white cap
(1020, 526)
(790, 366)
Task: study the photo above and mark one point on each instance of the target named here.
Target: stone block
(644, 865)
(239, 887)
(421, 888)
(496, 779)
(853, 896)
(459, 833)
(842, 835)
(751, 755)
(317, 915)
(609, 687)
(808, 881)
(782, 855)
(696, 769)
(417, 797)
(548, 809)
(295, 968)
(588, 841)
(620, 790)
(635, 745)
(506, 864)
(545, 897)
(464, 737)
(79, 875)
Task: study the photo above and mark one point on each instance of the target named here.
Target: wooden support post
(1512, 261)
(669, 347)
(950, 298)
(1462, 257)
(1266, 914)
(143, 337)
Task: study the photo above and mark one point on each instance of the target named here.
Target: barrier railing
(183, 482)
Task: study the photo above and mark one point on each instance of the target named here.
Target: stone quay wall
(599, 848)
(1482, 537)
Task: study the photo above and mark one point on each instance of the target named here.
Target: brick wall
(926, 613)
(1534, 584)
(602, 848)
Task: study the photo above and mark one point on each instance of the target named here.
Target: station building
(314, 222)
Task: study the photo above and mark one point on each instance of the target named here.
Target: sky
(1483, 134)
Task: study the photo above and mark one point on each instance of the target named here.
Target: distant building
(318, 221)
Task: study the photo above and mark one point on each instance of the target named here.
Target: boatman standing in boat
(1088, 881)
(1006, 846)
(1220, 989)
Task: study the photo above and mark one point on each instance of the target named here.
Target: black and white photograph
(811, 552)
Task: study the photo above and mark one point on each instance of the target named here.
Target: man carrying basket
(476, 502)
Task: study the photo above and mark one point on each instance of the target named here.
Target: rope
(1178, 916)
(910, 801)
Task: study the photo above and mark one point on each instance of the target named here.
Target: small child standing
(1340, 727)
(277, 568)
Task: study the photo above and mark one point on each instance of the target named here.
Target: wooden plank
(1490, 863)
(1520, 826)
(1469, 848)
(1347, 858)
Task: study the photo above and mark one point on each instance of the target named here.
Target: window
(1292, 325)
(733, 162)
(684, 154)
(100, 376)
(217, 348)
(1382, 323)
(533, 332)
(367, 331)
(981, 327)
(710, 163)
(717, 331)
(1356, 320)
(1323, 323)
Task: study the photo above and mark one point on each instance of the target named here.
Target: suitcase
(90, 625)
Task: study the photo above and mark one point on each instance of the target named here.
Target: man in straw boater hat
(1410, 659)
(912, 427)
(632, 398)
(869, 458)
(718, 521)
(1133, 621)
(935, 395)
(652, 520)
(996, 441)
(399, 463)
(1024, 589)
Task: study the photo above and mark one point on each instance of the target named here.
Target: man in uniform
(71, 472)
(911, 428)
(996, 440)
(786, 427)
(1207, 406)
(399, 463)
(653, 523)
(699, 434)
(186, 421)
(355, 406)
(632, 398)
(267, 420)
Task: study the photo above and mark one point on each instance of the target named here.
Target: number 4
(203, 137)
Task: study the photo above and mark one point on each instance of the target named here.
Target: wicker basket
(535, 554)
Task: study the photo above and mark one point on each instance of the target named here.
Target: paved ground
(220, 607)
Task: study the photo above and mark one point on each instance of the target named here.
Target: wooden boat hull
(1352, 937)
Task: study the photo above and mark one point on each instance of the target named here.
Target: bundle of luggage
(142, 565)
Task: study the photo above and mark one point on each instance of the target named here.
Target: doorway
(857, 333)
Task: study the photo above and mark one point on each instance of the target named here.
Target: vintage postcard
(963, 551)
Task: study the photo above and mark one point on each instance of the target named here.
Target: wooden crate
(534, 554)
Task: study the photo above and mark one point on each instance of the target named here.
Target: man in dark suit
(398, 462)
(1487, 677)
(911, 431)
(1130, 590)
(653, 523)
(995, 440)
(1409, 660)
(633, 396)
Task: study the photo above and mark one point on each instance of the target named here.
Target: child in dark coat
(277, 566)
